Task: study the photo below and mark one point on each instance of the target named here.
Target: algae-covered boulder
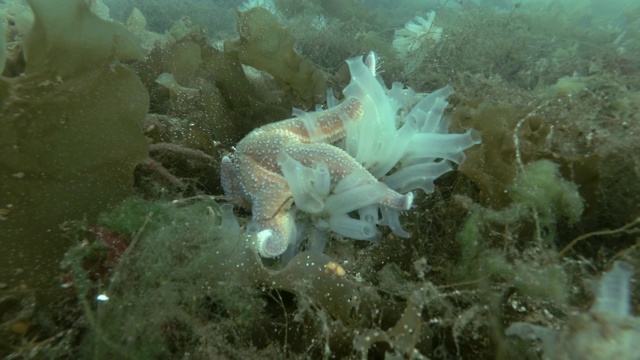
(71, 134)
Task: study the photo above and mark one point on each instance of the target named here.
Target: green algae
(71, 134)
(540, 187)
(67, 39)
(267, 46)
(207, 88)
(3, 46)
(541, 201)
(183, 261)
